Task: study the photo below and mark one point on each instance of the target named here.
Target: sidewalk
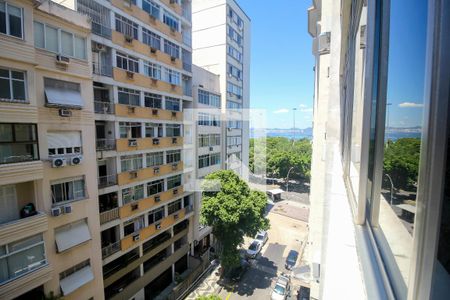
(207, 287)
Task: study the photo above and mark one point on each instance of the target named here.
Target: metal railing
(106, 144)
(110, 249)
(108, 180)
(101, 30)
(101, 107)
(109, 215)
(104, 70)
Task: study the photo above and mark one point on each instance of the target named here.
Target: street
(288, 231)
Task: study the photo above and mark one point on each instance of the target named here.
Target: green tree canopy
(233, 211)
(209, 297)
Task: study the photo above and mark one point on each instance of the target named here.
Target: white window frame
(8, 29)
(10, 80)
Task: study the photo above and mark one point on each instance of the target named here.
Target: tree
(233, 211)
(209, 297)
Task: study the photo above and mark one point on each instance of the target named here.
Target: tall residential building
(221, 45)
(209, 151)
(142, 80)
(49, 223)
(380, 202)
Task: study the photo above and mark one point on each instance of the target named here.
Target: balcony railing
(105, 144)
(108, 216)
(101, 107)
(108, 180)
(104, 70)
(187, 90)
(101, 30)
(110, 249)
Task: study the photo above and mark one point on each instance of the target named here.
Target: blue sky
(282, 75)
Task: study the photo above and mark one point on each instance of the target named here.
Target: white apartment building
(221, 45)
(381, 94)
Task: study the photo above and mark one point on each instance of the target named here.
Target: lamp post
(392, 186)
(287, 179)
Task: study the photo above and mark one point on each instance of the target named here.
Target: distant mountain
(283, 132)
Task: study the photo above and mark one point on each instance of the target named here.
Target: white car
(254, 249)
(282, 288)
(262, 237)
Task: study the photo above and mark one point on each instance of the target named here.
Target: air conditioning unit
(158, 226)
(132, 143)
(62, 60)
(56, 211)
(229, 128)
(99, 47)
(157, 198)
(133, 174)
(211, 148)
(174, 114)
(134, 206)
(176, 216)
(64, 112)
(156, 170)
(59, 162)
(152, 49)
(67, 209)
(175, 191)
(130, 75)
(174, 166)
(136, 237)
(155, 141)
(154, 112)
(173, 58)
(174, 140)
(131, 109)
(76, 160)
(323, 43)
(128, 39)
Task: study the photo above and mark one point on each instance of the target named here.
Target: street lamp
(287, 179)
(293, 137)
(392, 186)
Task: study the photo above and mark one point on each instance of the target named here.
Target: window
(233, 105)
(11, 19)
(235, 72)
(234, 140)
(234, 35)
(151, 8)
(64, 143)
(173, 182)
(155, 159)
(207, 98)
(234, 89)
(172, 77)
(129, 96)
(170, 20)
(133, 193)
(130, 130)
(18, 143)
(155, 215)
(68, 190)
(173, 104)
(153, 130)
(205, 119)
(127, 62)
(234, 124)
(131, 162)
(134, 225)
(209, 140)
(151, 39)
(127, 27)
(12, 85)
(74, 269)
(21, 257)
(152, 100)
(208, 160)
(59, 93)
(173, 156)
(59, 41)
(100, 16)
(174, 207)
(172, 49)
(173, 130)
(152, 70)
(233, 52)
(155, 187)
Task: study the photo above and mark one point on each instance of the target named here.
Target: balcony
(109, 216)
(106, 181)
(101, 107)
(120, 263)
(110, 249)
(121, 284)
(105, 138)
(103, 70)
(105, 144)
(110, 241)
(101, 30)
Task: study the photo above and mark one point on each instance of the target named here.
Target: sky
(281, 75)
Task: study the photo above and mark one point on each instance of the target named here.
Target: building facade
(49, 224)
(221, 44)
(379, 230)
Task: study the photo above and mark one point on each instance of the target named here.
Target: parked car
(254, 249)
(262, 236)
(282, 288)
(235, 274)
(291, 259)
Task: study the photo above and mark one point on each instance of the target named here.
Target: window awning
(76, 280)
(72, 235)
(59, 97)
(62, 139)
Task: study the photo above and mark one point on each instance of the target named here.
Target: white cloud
(410, 104)
(281, 111)
(303, 105)
(306, 110)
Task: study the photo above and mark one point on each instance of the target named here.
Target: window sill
(14, 101)
(58, 204)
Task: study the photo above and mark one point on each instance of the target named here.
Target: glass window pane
(39, 35)
(66, 43)
(51, 39)
(2, 17)
(18, 90)
(5, 90)
(24, 132)
(6, 134)
(15, 21)
(80, 47)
